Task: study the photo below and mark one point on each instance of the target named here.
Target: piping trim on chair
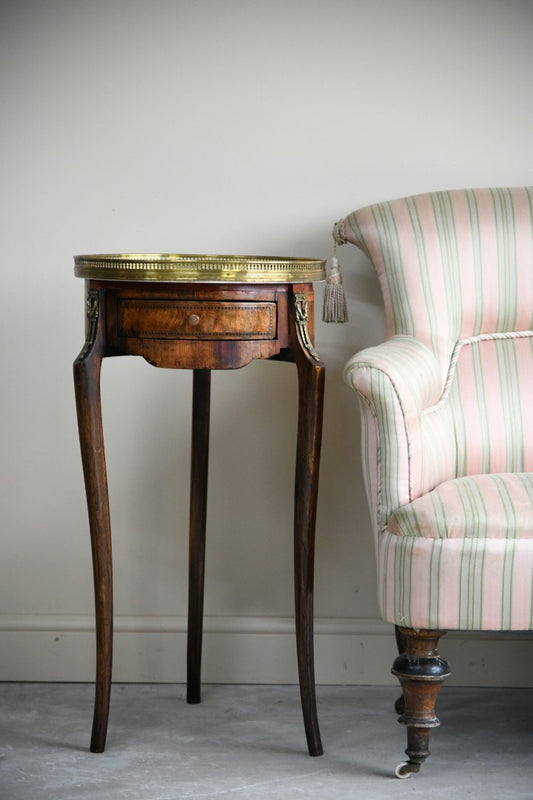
(482, 337)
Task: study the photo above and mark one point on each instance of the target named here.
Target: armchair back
(450, 393)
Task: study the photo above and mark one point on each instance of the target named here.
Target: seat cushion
(461, 557)
(478, 506)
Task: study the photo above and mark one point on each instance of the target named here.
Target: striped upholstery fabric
(447, 408)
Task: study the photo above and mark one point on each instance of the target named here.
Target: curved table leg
(87, 387)
(198, 513)
(311, 375)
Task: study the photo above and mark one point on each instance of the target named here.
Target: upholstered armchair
(447, 426)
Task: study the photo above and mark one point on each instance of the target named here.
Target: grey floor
(248, 742)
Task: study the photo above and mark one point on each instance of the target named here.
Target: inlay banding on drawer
(183, 319)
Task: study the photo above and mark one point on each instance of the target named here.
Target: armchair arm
(410, 366)
(408, 441)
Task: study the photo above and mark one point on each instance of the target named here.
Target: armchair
(447, 426)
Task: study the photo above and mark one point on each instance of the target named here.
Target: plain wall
(220, 126)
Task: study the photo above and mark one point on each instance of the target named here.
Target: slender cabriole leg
(87, 387)
(311, 373)
(421, 672)
(198, 512)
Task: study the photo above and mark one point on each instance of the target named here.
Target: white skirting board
(245, 650)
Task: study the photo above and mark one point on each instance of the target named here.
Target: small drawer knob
(194, 319)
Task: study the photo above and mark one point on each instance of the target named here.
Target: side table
(201, 313)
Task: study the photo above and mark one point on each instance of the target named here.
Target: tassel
(335, 309)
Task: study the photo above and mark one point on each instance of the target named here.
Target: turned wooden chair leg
(421, 672)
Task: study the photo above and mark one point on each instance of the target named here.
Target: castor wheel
(406, 769)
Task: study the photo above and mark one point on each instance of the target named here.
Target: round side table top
(175, 267)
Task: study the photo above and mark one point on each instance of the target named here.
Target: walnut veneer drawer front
(182, 319)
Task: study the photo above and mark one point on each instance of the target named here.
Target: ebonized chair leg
(421, 672)
(401, 644)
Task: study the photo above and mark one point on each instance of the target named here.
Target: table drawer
(184, 319)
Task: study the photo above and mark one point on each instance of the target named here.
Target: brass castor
(406, 769)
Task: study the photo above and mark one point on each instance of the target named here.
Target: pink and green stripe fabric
(447, 409)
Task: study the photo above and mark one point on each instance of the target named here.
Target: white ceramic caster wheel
(403, 770)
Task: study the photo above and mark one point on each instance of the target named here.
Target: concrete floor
(247, 742)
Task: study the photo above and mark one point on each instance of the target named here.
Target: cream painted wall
(219, 126)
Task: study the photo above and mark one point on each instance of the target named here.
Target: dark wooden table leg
(311, 374)
(87, 387)
(198, 513)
